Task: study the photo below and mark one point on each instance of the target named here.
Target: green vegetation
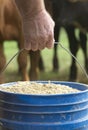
(64, 58)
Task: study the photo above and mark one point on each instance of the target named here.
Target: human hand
(39, 31)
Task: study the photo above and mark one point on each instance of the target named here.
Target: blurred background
(71, 27)
(11, 72)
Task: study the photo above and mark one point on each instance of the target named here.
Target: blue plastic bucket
(45, 112)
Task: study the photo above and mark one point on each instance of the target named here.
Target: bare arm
(36, 6)
(30, 7)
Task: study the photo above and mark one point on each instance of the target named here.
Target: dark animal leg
(2, 62)
(73, 44)
(55, 57)
(83, 43)
(34, 64)
(41, 64)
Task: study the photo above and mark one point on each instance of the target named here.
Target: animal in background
(11, 29)
(73, 10)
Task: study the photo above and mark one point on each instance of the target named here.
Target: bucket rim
(44, 95)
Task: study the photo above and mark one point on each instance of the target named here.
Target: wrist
(30, 8)
(35, 7)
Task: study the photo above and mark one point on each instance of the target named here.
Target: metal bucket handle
(69, 52)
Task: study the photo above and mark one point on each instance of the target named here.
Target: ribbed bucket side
(45, 112)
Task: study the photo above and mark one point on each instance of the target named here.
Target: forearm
(30, 7)
(36, 6)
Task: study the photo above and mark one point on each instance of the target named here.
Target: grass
(64, 58)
